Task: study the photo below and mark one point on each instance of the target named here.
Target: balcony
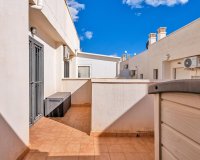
(100, 124)
(68, 138)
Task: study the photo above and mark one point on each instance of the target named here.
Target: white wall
(14, 78)
(100, 67)
(59, 17)
(81, 90)
(121, 106)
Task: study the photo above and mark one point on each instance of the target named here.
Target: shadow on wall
(136, 120)
(125, 108)
(11, 146)
(81, 91)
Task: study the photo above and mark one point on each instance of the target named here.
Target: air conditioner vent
(192, 62)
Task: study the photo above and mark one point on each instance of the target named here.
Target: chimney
(162, 33)
(152, 38)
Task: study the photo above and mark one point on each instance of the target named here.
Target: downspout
(39, 5)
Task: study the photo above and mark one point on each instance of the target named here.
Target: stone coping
(115, 80)
(185, 86)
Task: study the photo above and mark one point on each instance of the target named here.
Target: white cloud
(75, 8)
(138, 14)
(88, 34)
(154, 3)
(133, 3)
(81, 38)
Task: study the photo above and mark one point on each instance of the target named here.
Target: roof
(99, 55)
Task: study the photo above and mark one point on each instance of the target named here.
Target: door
(181, 73)
(36, 80)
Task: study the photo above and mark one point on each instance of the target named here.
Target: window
(126, 66)
(141, 76)
(83, 71)
(66, 69)
(155, 74)
(174, 73)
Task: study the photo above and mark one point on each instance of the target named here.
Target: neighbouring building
(89, 65)
(173, 56)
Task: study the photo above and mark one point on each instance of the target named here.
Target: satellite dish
(187, 62)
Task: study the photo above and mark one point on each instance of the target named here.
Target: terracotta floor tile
(133, 156)
(59, 148)
(123, 140)
(140, 147)
(101, 140)
(36, 156)
(117, 156)
(87, 149)
(102, 156)
(100, 148)
(148, 156)
(114, 148)
(85, 157)
(62, 156)
(73, 148)
(127, 148)
(68, 138)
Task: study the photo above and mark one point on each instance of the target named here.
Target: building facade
(165, 58)
(34, 35)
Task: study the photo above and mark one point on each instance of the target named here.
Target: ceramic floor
(68, 138)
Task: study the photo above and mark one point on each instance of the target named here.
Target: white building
(34, 34)
(166, 56)
(89, 65)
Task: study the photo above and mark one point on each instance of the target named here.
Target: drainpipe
(39, 5)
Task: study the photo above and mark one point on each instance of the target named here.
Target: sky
(112, 27)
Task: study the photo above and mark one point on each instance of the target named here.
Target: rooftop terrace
(68, 138)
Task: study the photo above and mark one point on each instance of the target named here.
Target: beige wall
(81, 90)
(121, 106)
(57, 14)
(182, 43)
(54, 29)
(14, 80)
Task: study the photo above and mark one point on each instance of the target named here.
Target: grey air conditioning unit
(192, 62)
(132, 73)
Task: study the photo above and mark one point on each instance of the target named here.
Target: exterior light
(167, 56)
(33, 30)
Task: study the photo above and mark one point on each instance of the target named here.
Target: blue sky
(112, 26)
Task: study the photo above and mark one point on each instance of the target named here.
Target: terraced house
(167, 57)
(59, 103)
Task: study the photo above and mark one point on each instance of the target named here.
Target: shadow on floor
(77, 117)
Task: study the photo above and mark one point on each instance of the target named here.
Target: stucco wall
(182, 43)
(121, 106)
(81, 90)
(59, 17)
(99, 68)
(14, 80)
